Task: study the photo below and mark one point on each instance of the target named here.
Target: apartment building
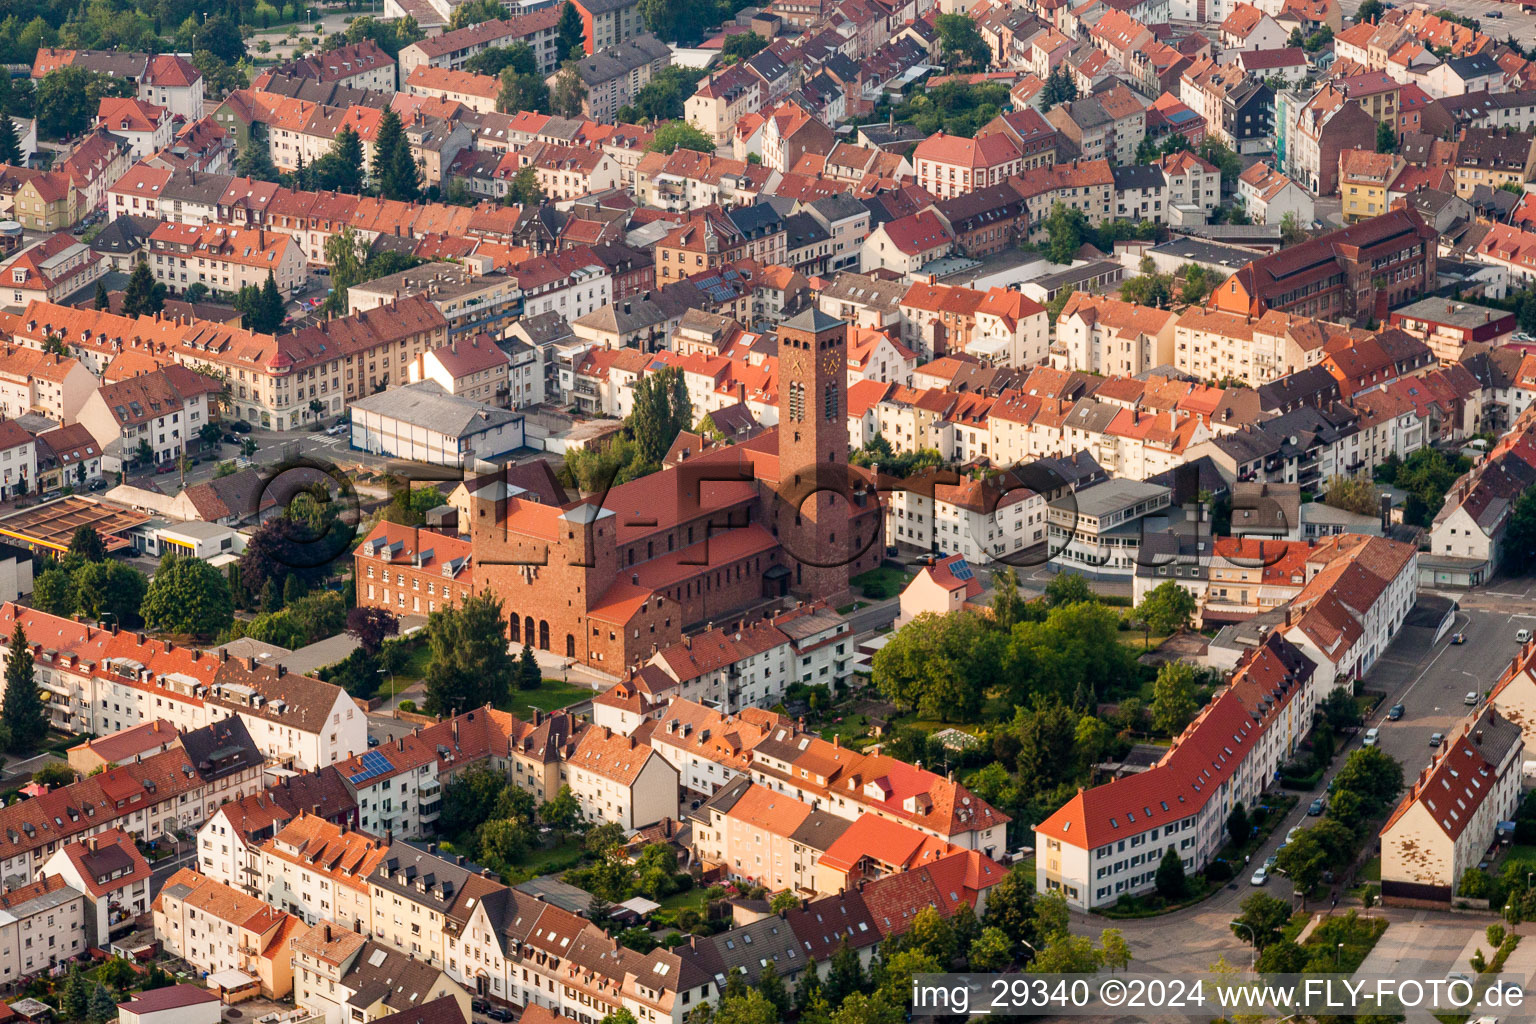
(453, 49)
(1108, 840)
(477, 92)
(850, 784)
(50, 271)
(113, 877)
(216, 928)
(229, 842)
(618, 779)
(318, 871)
(1453, 809)
(225, 259)
(43, 927)
(952, 165)
(761, 837)
(152, 418)
(1106, 336)
(47, 383)
(1226, 347)
(346, 977)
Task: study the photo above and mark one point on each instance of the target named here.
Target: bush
(1218, 871)
(408, 706)
(1495, 933)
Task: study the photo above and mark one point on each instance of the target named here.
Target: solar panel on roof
(374, 764)
(962, 570)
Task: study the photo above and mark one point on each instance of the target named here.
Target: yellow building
(1364, 177)
(47, 202)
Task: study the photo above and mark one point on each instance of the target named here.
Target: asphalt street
(1431, 680)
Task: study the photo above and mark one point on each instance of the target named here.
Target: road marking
(1420, 676)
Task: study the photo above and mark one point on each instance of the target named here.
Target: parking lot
(1507, 20)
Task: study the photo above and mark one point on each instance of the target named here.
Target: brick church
(609, 579)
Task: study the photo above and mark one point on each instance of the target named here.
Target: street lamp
(1338, 954)
(1253, 962)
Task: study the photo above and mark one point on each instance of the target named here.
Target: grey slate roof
(425, 404)
(812, 320)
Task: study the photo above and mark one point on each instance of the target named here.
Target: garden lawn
(882, 583)
(550, 696)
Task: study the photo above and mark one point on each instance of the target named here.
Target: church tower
(813, 450)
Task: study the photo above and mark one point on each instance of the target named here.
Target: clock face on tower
(829, 363)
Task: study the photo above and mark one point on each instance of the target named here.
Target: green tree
(68, 98)
(1262, 919)
(1304, 859)
(1353, 494)
(110, 590)
(102, 1007)
(938, 665)
(1008, 605)
(522, 91)
(255, 160)
(1011, 906)
(1167, 608)
(742, 45)
(1239, 828)
(1374, 775)
(343, 168)
(1371, 11)
(345, 256)
(784, 901)
(1519, 551)
(845, 975)
(221, 37)
(1065, 229)
(469, 665)
(1196, 283)
(1292, 230)
(86, 543)
(1068, 588)
(1067, 954)
(53, 591)
(961, 44)
(529, 675)
(53, 774)
(1060, 87)
(10, 145)
(1170, 881)
(524, 187)
(143, 295)
(1148, 289)
(101, 300)
(1046, 734)
(395, 174)
(519, 57)
(661, 410)
(570, 35)
(992, 951)
(75, 1000)
(24, 716)
(1114, 951)
(1173, 697)
(674, 135)
(568, 94)
(1386, 138)
(562, 813)
(188, 596)
(751, 1007)
(474, 12)
(620, 1016)
(1226, 161)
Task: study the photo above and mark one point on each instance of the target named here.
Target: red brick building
(1354, 273)
(412, 571)
(611, 578)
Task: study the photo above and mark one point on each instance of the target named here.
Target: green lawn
(551, 696)
(879, 584)
(851, 728)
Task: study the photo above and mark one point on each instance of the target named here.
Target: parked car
(1289, 836)
(165, 467)
(231, 438)
(1435, 739)
(1522, 636)
(240, 427)
(1470, 700)
(500, 1013)
(1458, 638)
(1371, 737)
(98, 485)
(336, 429)
(1271, 861)
(479, 1005)
(1318, 806)
(1259, 877)
(1395, 712)
(373, 741)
